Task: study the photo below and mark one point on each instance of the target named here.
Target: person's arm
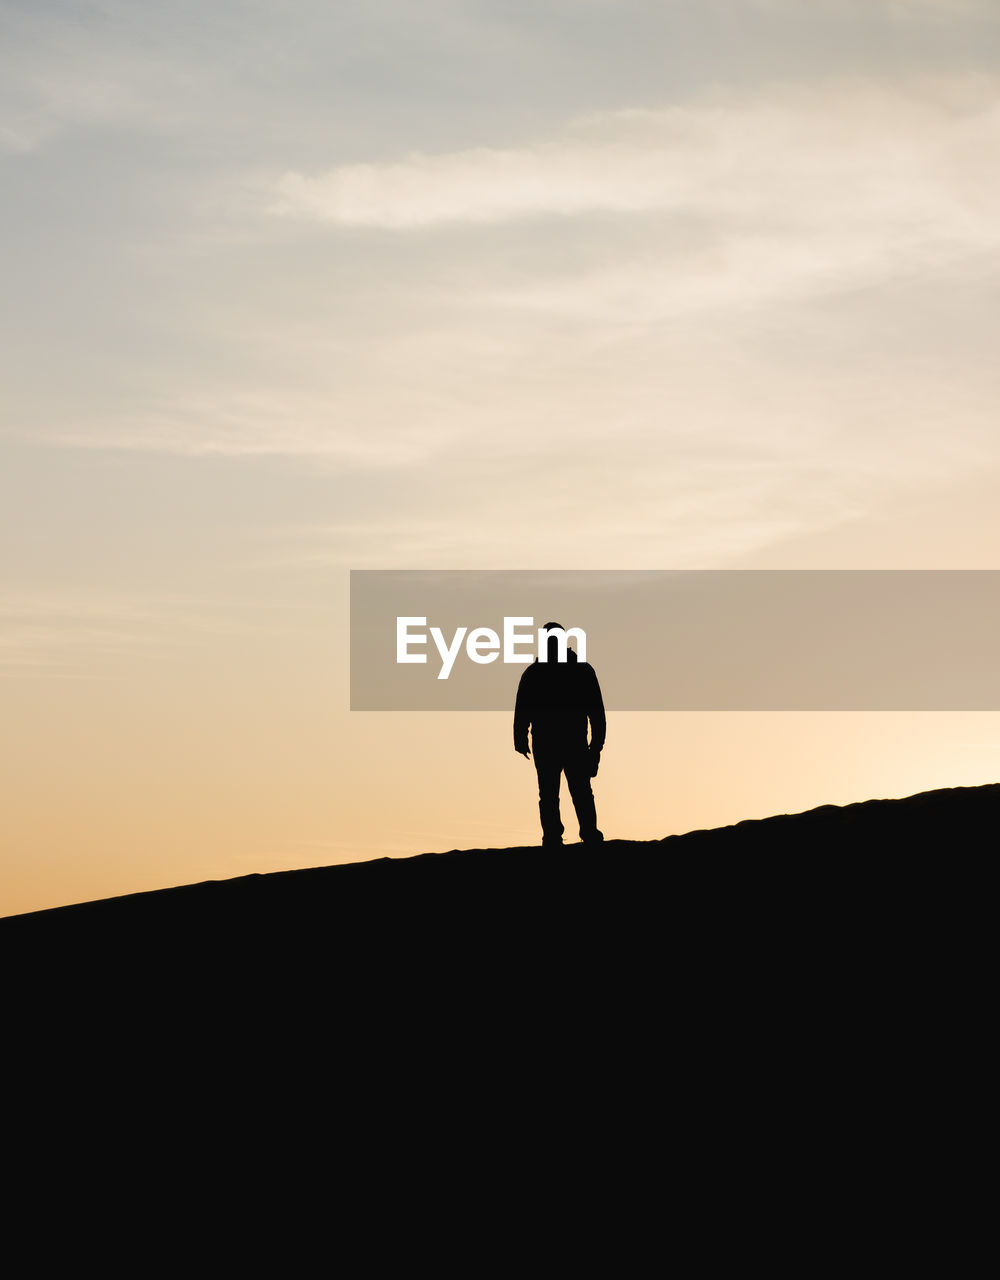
(595, 711)
(522, 715)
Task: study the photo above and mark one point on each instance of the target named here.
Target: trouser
(552, 759)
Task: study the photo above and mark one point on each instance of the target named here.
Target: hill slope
(930, 824)
(787, 992)
(857, 868)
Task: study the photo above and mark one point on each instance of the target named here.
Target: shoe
(551, 842)
(594, 837)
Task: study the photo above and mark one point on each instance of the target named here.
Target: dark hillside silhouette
(793, 1009)
(513, 911)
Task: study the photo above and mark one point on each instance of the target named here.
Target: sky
(296, 288)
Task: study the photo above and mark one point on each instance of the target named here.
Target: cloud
(748, 293)
(692, 519)
(867, 10)
(479, 185)
(79, 636)
(352, 430)
(905, 158)
(66, 72)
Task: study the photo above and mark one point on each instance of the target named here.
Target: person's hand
(523, 752)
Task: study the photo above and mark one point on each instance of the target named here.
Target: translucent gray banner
(687, 640)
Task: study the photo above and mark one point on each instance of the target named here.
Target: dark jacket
(556, 699)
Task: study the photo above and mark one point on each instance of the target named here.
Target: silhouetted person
(556, 699)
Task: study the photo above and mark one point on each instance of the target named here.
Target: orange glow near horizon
(147, 804)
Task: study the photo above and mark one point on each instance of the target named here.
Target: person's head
(553, 639)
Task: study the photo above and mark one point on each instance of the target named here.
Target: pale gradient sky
(294, 288)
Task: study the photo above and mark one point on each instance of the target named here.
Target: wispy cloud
(248, 424)
(72, 635)
(874, 161)
(478, 185)
(459, 330)
(854, 11)
(63, 71)
(584, 511)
